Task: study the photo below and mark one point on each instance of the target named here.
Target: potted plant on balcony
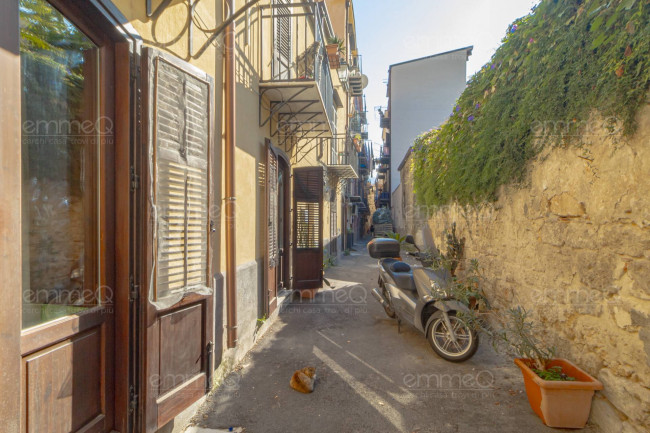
(335, 50)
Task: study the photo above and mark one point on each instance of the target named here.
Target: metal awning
(342, 171)
(294, 108)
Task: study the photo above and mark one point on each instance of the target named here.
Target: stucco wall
(422, 95)
(573, 246)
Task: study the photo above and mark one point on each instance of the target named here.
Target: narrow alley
(370, 377)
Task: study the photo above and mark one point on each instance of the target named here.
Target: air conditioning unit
(357, 83)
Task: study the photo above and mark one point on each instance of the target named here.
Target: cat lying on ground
(303, 380)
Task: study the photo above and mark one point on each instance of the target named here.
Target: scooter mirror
(409, 240)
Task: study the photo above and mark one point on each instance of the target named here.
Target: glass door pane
(60, 152)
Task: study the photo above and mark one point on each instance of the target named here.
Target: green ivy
(555, 66)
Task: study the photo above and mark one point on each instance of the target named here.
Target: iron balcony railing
(297, 53)
(342, 153)
(358, 124)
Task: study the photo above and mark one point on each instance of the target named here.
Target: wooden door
(308, 228)
(272, 230)
(284, 222)
(177, 307)
(67, 215)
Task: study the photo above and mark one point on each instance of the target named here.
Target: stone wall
(572, 245)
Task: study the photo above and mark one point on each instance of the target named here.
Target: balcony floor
(294, 107)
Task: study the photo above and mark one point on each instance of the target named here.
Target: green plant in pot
(335, 49)
(559, 392)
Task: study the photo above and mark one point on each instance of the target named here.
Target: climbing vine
(555, 66)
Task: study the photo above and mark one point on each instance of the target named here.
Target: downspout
(229, 154)
(348, 55)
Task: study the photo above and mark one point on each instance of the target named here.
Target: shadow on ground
(370, 377)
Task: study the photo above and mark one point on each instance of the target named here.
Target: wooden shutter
(181, 180)
(308, 227)
(175, 343)
(272, 256)
(272, 196)
(283, 38)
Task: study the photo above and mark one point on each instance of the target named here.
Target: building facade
(171, 171)
(421, 95)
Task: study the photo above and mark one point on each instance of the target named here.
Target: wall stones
(572, 245)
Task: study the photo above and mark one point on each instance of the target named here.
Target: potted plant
(558, 391)
(335, 50)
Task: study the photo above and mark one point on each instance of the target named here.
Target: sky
(393, 31)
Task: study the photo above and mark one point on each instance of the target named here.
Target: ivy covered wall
(555, 68)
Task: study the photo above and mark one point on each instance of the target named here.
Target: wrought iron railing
(297, 52)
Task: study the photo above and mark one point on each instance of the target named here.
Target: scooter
(420, 297)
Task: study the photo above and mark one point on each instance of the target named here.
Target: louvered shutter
(181, 193)
(283, 39)
(272, 223)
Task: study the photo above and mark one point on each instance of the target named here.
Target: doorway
(67, 219)
(277, 256)
(308, 228)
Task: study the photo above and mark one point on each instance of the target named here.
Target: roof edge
(468, 49)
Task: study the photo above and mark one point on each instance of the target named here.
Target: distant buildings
(421, 94)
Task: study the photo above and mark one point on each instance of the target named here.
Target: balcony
(342, 161)
(296, 92)
(358, 124)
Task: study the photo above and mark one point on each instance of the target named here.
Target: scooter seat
(400, 272)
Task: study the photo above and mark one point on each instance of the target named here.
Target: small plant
(329, 261)
(518, 336)
(335, 40)
(451, 258)
(509, 330)
(346, 252)
(553, 373)
(399, 238)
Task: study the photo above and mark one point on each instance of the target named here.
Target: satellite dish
(364, 80)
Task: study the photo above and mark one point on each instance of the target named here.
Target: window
(60, 154)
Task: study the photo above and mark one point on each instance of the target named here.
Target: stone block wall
(572, 246)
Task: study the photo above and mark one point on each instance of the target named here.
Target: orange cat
(303, 380)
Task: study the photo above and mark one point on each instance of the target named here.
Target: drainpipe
(348, 56)
(229, 154)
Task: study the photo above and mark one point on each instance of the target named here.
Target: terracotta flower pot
(333, 55)
(563, 404)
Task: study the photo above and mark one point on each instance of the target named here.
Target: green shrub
(555, 67)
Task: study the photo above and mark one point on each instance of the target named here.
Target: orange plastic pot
(562, 404)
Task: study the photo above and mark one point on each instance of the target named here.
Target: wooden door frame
(269, 302)
(106, 20)
(285, 257)
(285, 166)
(73, 327)
(10, 215)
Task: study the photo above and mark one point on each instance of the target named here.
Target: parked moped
(420, 296)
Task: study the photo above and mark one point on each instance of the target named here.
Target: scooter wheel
(440, 339)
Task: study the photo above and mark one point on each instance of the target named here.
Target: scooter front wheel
(461, 348)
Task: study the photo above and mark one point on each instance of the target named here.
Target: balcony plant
(335, 50)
